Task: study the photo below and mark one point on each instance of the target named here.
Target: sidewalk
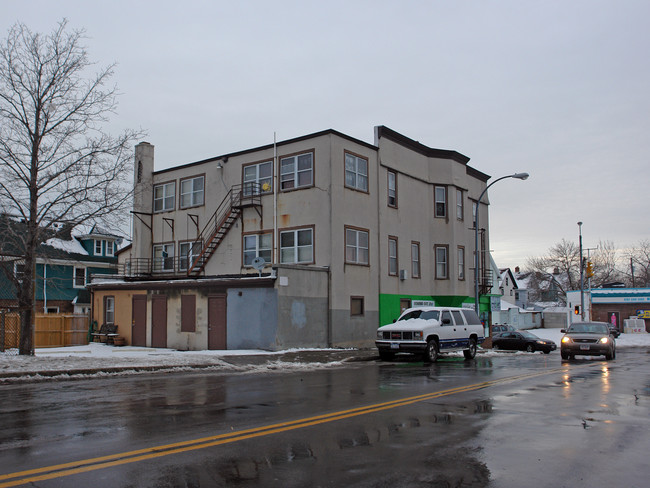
(97, 360)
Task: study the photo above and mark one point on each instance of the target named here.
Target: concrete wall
(252, 318)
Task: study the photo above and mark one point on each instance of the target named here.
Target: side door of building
(159, 321)
(217, 326)
(139, 320)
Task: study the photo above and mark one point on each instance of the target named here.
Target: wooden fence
(50, 330)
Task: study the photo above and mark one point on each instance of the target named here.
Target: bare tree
(636, 264)
(57, 165)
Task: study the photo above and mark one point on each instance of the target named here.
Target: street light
(519, 176)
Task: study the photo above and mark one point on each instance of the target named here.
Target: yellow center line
(92, 464)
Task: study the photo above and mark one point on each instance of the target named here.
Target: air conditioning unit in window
(402, 274)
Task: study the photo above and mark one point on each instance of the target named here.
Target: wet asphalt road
(506, 421)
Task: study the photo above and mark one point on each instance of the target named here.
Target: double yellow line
(86, 465)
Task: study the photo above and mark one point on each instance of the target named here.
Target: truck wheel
(386, 356)
(431, 352)
(470, 352)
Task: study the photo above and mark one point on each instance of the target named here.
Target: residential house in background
(64, 265)
(309, 242)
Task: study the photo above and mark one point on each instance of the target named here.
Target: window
(296, 171)
(163, 257)
(441, 201)
(356, 172)
(460, 212)
(187, 254)
(98, 247)
(392, 189)
(297, 246)
(19, 271)
(192, 191)
(110, 248)
(415, 259)
(458, 317)
(356, 306)
(474, 204)
(441, 262)
(461, 263)
(258, 245)
(163, 197)
(356, 246)
(188, 313)
(109, 310)
(79, 277)
(258, 178)
(392, 256)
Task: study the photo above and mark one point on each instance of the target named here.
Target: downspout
(45, 287)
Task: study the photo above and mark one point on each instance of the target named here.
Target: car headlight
(380, 334)
(604, 340)
(418, 334)
(566, 340)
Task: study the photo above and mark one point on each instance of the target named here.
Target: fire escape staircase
(229, 210)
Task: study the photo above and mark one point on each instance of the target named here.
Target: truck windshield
(421, 314)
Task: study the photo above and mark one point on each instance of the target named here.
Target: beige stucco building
(346, 234)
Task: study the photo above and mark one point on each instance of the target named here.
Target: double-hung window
(187, 254)
(163, 257)
(79, 277)
(460, 214)
(297, 246)
(356, 246)
(109, 310)
(192, 192)
(297, 171)
(392, 256)
(461, 263)
(98, 247)
(163, 197)
(258, 245)
(392, 189)
(356, 172)
(258, 178)
(415, 259)
(110, 248)
(442, 262)
(19, 272)
(440, 201)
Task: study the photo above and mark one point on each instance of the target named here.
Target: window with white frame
(192, 191)
(392, 189)
(258, 245)
(110, 248)
(19, 271)
(79, 277)
(440, 201)
(297, 246)
(392, 256)
(461, 263)
(163, 197)
(109, 310)
(356, 246)
(187, 254)
(297, 171)
(163, 257)
(415, 259)
(356, 172)
(258, 177)
(442, 262)
(460, 211)
(98, 247)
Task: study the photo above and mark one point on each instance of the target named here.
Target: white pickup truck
(430, 331)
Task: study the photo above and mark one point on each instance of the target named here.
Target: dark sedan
(588, 339)
(522, 340)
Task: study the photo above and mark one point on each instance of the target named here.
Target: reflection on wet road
(373, 424)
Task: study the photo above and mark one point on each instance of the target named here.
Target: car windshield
(589, 329)
(528, 335)
(421, 314)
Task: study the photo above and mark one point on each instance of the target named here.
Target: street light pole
(582, 277)
(519, 176)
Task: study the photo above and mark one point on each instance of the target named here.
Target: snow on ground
(96, 359)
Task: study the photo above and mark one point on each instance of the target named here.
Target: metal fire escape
(229, 210)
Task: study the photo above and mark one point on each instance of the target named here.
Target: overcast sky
(557, 88)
